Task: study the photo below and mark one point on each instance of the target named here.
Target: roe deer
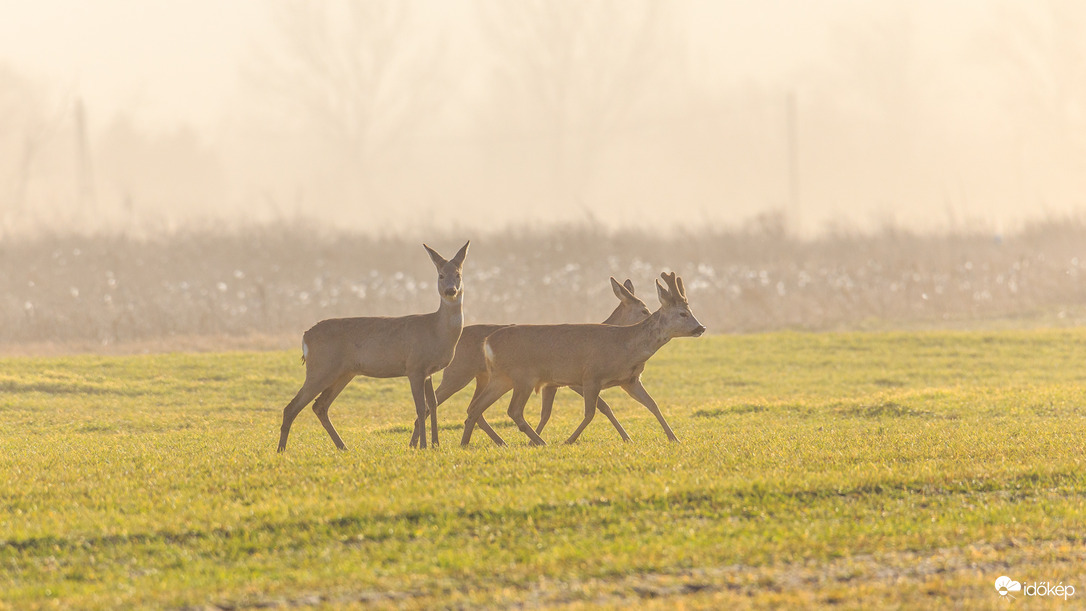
(338, 349)
(589, 357)
(469, 363)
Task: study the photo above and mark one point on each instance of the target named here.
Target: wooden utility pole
(793, 215)
(84, 172)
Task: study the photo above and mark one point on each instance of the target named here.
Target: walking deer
(590, 357)
(469, 362)
(417, 346)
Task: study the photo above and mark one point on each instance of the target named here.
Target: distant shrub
(277, 280)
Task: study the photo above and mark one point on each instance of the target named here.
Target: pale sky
(167, 61)
(165, 65)
(170, 61)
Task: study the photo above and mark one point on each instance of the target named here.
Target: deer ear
(438, 260)
(621, 291)
(629, 286)
(661, 292)
(458, 259)
(679, 285)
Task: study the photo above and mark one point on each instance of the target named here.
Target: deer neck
(613, 318)
(450, 315)
(646, 337)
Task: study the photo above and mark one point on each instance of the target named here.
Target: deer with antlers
(417, 346)
(587, 357)
(469, 362)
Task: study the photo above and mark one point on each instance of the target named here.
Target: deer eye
(441, 276)
(684, 315)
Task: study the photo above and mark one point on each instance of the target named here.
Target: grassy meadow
(859, 469)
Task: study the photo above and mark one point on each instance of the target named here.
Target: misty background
(207, 175)
(383, 116)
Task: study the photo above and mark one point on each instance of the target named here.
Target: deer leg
(431, 404)
(545, 411)
(516, 412)
(324, 401)
(606, 411)
(309, 390)
(418, 392)
(493, 391)
(591, 394)
(636, 390)
(451, 383)
(484, 426)
(481, 381)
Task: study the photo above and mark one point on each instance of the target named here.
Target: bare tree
(575, 69)
(1046, 51)
(356, 75)
(1040, 55)
(25, 128)
(880, 79)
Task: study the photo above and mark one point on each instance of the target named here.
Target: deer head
(676, 318)
(630, 310)
(449, 282)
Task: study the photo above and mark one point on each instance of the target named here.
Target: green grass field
(864, 470)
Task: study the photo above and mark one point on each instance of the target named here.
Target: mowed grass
(865, 470)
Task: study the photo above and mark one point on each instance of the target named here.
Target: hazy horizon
(382, 115)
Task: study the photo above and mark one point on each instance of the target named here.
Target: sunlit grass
(867, 469)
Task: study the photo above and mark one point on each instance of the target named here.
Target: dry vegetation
(269, 283)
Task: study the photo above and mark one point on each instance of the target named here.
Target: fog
(383, 116)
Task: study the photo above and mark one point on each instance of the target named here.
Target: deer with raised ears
(417, 346)
(469, 362)
(588, 357)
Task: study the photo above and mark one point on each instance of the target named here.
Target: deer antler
(674, 287)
